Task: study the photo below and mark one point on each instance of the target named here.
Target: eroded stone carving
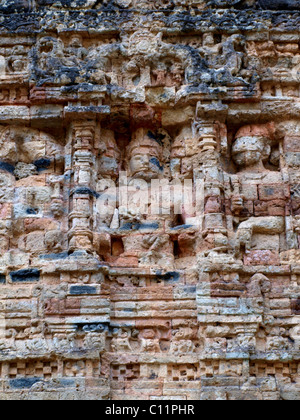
(110, 288)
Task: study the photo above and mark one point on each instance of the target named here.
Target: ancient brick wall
(110, 288)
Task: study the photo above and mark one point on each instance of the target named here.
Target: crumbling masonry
(99, 300)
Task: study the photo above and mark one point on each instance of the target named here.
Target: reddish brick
(127, 262)
(32, 225)
(38, 95)
(228, 210)
(273, 192)
(262, 257)
(62, 307)
(248, 209)
(270, 208)
(5, 210)
(144, 116)
(213, 205)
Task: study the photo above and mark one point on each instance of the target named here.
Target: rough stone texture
(98, 300)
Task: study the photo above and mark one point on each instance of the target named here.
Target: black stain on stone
(23, 383)
(83, 290)
(32, 211)
(2, 279)
(7, 167)
(92, 327)
(143, 226)
(279, 5)
(42, 164)
(63, 3)
(171, 276)
(182, 227)
(27, 275)
(70, 72)
(269, 191)
(223, 3)
(83, 87)
(190, 289)
(59, 256)
(156, 162)
(158, 137)
(139, 226)
(12, 6)
(127, 226)
(85, 191)
(65, 383)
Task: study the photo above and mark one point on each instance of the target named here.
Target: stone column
(210, 142)
(80, 219)
(290, 164)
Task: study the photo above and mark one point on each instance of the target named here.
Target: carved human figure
(149, 342)
(258, 198)
(167, 75)
(140, 48)
(243, 342)
(145, 163)
(17, 63)
(107, 201)
(120, 342)
(228, 58)
(59, 63)
(294, 334)
(149, 60)
(100, 60)
(50, 58)
(54, 240)
(95, 341)
(278, 340)
(57, 203)
(258, 288)
(63, 342)
(232, 57)
(182, 341)
(145, 207)
(75, 52)
(145, 155)
(8, 340)
(29, 159)
(252, 147)
(184, 167)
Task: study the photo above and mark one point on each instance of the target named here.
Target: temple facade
(150, 199)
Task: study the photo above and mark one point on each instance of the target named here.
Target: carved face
(109, 166)
(149, 334)
(16, 64)
(250, 150)
(46, 45)
(76, 41)
(145, 165)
